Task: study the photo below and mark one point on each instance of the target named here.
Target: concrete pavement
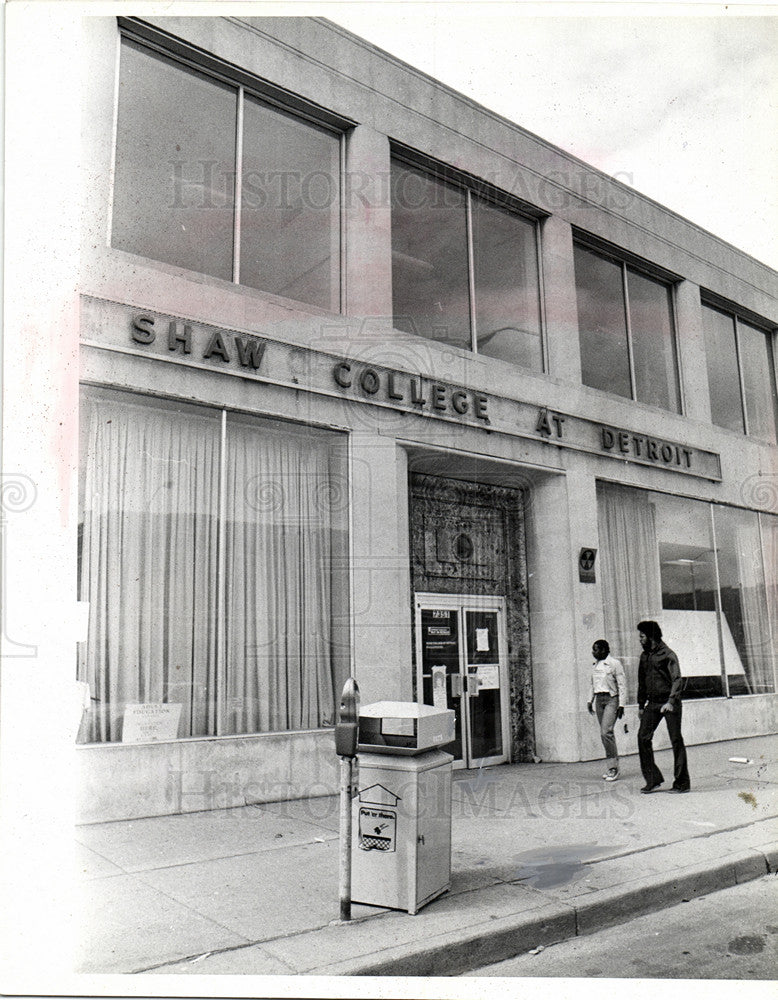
(541, 853)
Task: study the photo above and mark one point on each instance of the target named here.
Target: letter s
(143, 329)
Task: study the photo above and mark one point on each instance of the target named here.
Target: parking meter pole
(346, 764)
(346, 741)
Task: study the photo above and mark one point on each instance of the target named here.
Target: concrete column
(368, 239)
(381, 595)
(552, 632)
(588, 620)
(100, 47)
(691, 352)
(565, 613)
(564, 356)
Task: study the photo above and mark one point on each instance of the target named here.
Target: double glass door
(462, 664)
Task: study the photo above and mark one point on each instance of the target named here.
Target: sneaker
(612, 774)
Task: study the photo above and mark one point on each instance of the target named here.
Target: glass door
(462, 664)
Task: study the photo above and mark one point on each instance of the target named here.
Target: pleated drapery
(744, 595)
(208, 575)
(631, 587)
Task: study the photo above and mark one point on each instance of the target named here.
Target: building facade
(374, 382)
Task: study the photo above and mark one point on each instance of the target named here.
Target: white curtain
(631, 587)
(769, 525)
(279, 564)
(229, 616)
(756, 654)
(148, 563)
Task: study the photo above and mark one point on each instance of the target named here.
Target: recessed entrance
(471, 620)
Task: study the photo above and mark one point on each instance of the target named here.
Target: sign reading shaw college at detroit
(273, 362)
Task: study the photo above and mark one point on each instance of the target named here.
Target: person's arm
(590, 699)
(621, 684)
(642, 682)
(676, 682)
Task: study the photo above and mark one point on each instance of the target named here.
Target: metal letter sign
(586, 559)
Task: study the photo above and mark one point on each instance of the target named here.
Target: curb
(475, 947)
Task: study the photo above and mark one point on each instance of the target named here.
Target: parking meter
(346, 740)
(347, 726)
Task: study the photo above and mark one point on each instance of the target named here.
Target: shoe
(612, 774)
(650, 788)
(674, 789)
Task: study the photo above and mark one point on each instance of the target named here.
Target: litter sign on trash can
(377, 829)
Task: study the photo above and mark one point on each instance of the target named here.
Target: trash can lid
(400, 710)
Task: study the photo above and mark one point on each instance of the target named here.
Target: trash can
(401, 840)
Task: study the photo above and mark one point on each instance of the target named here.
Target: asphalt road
(731, 934)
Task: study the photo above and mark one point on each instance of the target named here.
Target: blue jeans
(606, 705)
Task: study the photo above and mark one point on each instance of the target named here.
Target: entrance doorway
(468, 554)
(461, 659)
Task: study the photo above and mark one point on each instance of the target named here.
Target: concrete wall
(116, 781)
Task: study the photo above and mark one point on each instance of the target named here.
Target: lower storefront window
(706, 573)
(213, 557)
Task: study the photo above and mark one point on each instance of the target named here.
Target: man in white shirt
(607, 697)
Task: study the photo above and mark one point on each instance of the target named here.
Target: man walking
(607, 697)
(659, 694)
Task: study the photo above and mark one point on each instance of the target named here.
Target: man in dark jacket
(659, 695)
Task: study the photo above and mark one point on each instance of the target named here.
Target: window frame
(245, 84)
(737, 315)
(712, 506)
(222, 414)
(472, 186)
(625, 261)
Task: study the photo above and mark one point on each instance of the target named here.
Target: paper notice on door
(482, 640)
(439, 695)
(488, 676)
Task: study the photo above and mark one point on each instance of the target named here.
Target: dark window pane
(724, 384)
(175, 164)
(507, 319)
(601, 323)
(430, 292)
(290, 207)
(653, 342)
(758, 380)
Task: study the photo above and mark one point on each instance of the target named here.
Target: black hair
(603, 643)
(650, 630)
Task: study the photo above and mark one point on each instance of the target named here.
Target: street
(730, 934)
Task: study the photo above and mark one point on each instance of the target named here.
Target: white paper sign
(150, 722)
(482, 640)
(488, 676)
(439, 695)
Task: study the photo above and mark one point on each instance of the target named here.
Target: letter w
(250, 353)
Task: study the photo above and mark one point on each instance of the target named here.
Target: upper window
(741, 376)
(209, 178)
(464, 270)
(626, 331)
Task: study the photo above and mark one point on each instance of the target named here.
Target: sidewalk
(541, 852)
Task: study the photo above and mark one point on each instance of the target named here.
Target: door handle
(473, 685)
(456, 685)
